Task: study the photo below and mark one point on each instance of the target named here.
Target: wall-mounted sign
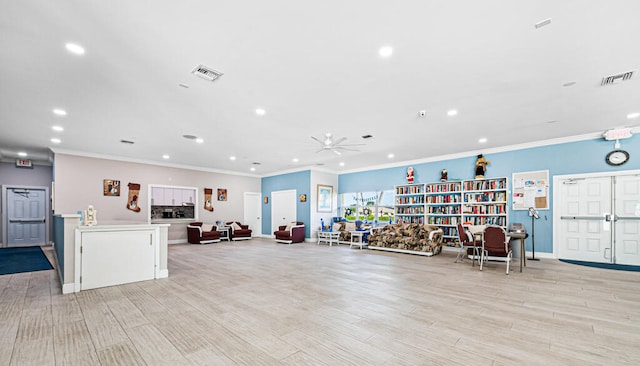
(24, 163)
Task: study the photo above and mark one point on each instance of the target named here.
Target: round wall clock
(617, 157)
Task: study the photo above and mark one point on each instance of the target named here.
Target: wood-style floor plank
(261, 303)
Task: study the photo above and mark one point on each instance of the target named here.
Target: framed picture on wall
(111, 187)
(222, 194)
(325, 198)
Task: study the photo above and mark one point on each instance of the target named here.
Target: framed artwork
(303, 198)
(222, 194)
(111, 187)
(265, 200)
(325, 198)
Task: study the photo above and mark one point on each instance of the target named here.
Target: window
(367, 206)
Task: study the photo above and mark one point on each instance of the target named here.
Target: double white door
(599, 219)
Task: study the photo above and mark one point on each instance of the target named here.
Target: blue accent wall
(301, 182)
(561, 159)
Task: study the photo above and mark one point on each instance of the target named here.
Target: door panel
(26, 217)
(627, 220)
(253, 212)
(283, 208)
(584, 234)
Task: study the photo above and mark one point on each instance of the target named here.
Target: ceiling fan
(335, 145)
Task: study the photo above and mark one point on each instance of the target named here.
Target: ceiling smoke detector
(206, 73)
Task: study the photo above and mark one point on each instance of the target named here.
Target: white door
(26, 216)
(253, 212)
(600, 219)
(627, 220)
(283, 208)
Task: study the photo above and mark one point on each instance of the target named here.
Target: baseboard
(163, 273)
(544, 255)
(177, 241)
(68, 288)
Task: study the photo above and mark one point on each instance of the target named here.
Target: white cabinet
(167, 196)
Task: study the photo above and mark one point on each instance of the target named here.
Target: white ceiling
(314, 67)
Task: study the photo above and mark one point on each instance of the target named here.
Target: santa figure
(410, 175)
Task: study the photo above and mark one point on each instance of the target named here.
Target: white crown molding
(149, 162)
(494, 150)
(300, 169)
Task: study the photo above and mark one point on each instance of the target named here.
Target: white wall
(326, 179)
(79, 183)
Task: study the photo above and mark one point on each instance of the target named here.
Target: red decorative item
(410, 173)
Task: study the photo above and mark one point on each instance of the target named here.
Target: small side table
(359, 235)
(328, 237)
(225, 233)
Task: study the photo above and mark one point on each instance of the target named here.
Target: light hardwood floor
(260, 303)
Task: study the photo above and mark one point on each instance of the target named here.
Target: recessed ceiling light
(482, 140)
(74, 48)
(390, 156)
(385, 51)
(22, 153)
(59, 112)
(452, 112)
(295, 160)
(56, 140)
(633, 115)
(57, 128)
(260, 112)
(253, 169)
(232, 158)
(341, 163)
(165, 156)
(199, 140)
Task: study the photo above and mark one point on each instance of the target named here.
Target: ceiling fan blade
(349, 145)
(321, 150)
(317, 140)
(340, 140)
(344, 148)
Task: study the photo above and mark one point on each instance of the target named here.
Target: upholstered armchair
(196, 234)
(239, 231)
(290, 233)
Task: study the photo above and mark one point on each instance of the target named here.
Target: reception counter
(107, 255)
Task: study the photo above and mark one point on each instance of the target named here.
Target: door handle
(607, 217)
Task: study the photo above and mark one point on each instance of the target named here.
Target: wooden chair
(467, 242)
(496, 244)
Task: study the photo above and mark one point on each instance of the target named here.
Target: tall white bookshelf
(446, 204)
(409, 204)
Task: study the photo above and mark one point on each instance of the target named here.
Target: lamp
(534, 216)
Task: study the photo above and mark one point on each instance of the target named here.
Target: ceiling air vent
(614, 79)
(206, 73)
(127, 142)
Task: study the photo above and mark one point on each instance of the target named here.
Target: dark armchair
(196, 235)
(239, 231)
(290, 233)
(496, 244)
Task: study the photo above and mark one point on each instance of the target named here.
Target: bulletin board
(530, 189)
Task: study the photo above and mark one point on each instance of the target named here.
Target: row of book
(444, 210)
(410, 220)
(486, 220)
(486, 197)
(443, 220)
(410, 210)
(410, 189)
(444, 187)
(409, 200)
(449, 198)
(481, 185)
(486, 209)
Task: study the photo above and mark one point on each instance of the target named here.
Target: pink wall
(79, 180)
